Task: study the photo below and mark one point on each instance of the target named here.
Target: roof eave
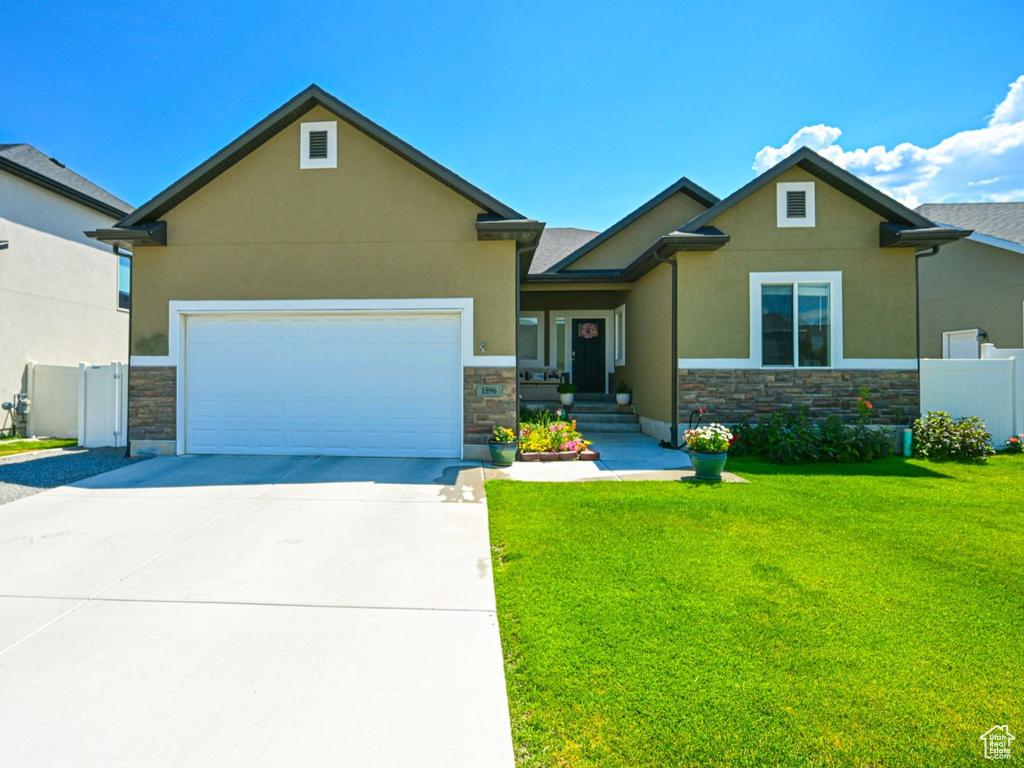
(280, 119)
(154, 234)
(832, 174)
(684, 186)
(922, 238)
(709, 239)
(64, 191)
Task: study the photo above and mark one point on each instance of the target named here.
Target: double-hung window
(797, 319)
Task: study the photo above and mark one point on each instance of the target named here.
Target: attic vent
(796, 204)
(318, 145)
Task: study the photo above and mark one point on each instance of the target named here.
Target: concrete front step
(586, 406)
(589, 428)
(602, 417)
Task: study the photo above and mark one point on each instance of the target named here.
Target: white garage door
(339, 385)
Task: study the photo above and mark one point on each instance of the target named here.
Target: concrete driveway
(224, 611)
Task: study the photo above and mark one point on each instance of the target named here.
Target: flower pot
(549, 456)
(568, 455)
(708, 466)
(623, 398)
(589, 455)
(529, 456)
(567, 398)
(503, 454)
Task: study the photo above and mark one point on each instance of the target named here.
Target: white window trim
(541, 335)
(794, 186)
(576, 314)
(331, 161)
(619, 335)
(835, 291)
(945, 341)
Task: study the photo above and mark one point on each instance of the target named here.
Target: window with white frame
(620, 335)
(319, 145)
(794, 318)
(795, 203)
(531, 339)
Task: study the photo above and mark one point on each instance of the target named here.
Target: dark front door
(588, 365)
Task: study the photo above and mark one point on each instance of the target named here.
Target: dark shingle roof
(29, 163)
(1002, 220)
(556, 243)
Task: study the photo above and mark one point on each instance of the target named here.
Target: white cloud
(980, 165)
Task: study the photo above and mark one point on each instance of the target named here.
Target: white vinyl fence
(89, 402)
(991, 388)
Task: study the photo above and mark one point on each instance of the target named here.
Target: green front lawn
(867, 615)
(9, 446)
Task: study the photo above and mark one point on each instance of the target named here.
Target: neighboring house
(973, 291)
(63, 297)
(319, 286)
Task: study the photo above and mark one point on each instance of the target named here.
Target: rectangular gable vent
(796, 204)
(318, 145)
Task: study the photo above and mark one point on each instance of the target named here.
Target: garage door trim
(179, 310)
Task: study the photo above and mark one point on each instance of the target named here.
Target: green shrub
(788, 436)
(939, 438)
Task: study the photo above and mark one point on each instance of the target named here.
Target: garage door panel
(359, 385)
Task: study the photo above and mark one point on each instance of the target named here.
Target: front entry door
(588, 363)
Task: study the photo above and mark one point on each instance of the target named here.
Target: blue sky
(574, 113)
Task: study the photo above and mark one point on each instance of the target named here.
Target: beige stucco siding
(621, 249)
(58, 288)
(879, 316)
(972, 285)
(375, 227)
(649, 345)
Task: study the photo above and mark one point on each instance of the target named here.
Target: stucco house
(64, 297)
(973, 291)
(320, 287)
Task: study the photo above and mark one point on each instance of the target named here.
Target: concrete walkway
(624, 456)
(220, 611)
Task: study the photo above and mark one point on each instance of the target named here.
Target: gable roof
(27, 162)
(280, 119)
(684, 185)
(1002, 220)
(830, 173)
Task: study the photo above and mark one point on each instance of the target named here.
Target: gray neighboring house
(64, 298)
(972, 291)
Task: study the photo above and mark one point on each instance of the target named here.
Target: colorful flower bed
(543, 432)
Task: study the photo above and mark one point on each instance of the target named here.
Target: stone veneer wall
(152, 403)
(482, 414)
(735, 394)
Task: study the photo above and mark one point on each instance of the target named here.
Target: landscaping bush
(788, 436)
(939, 438)
(1015, 444)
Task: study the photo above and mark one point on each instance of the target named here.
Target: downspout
(673, 435)
(917, 310)
(128, 363)
(520, 248)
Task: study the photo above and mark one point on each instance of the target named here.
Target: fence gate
(102, 405)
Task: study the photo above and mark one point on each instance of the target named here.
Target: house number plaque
(488, 390)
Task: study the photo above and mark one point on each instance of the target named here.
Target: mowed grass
(7, 446)
(867, 615)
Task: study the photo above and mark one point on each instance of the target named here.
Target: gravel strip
(24, 474)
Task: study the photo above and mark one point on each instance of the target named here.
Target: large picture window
(796, 324)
